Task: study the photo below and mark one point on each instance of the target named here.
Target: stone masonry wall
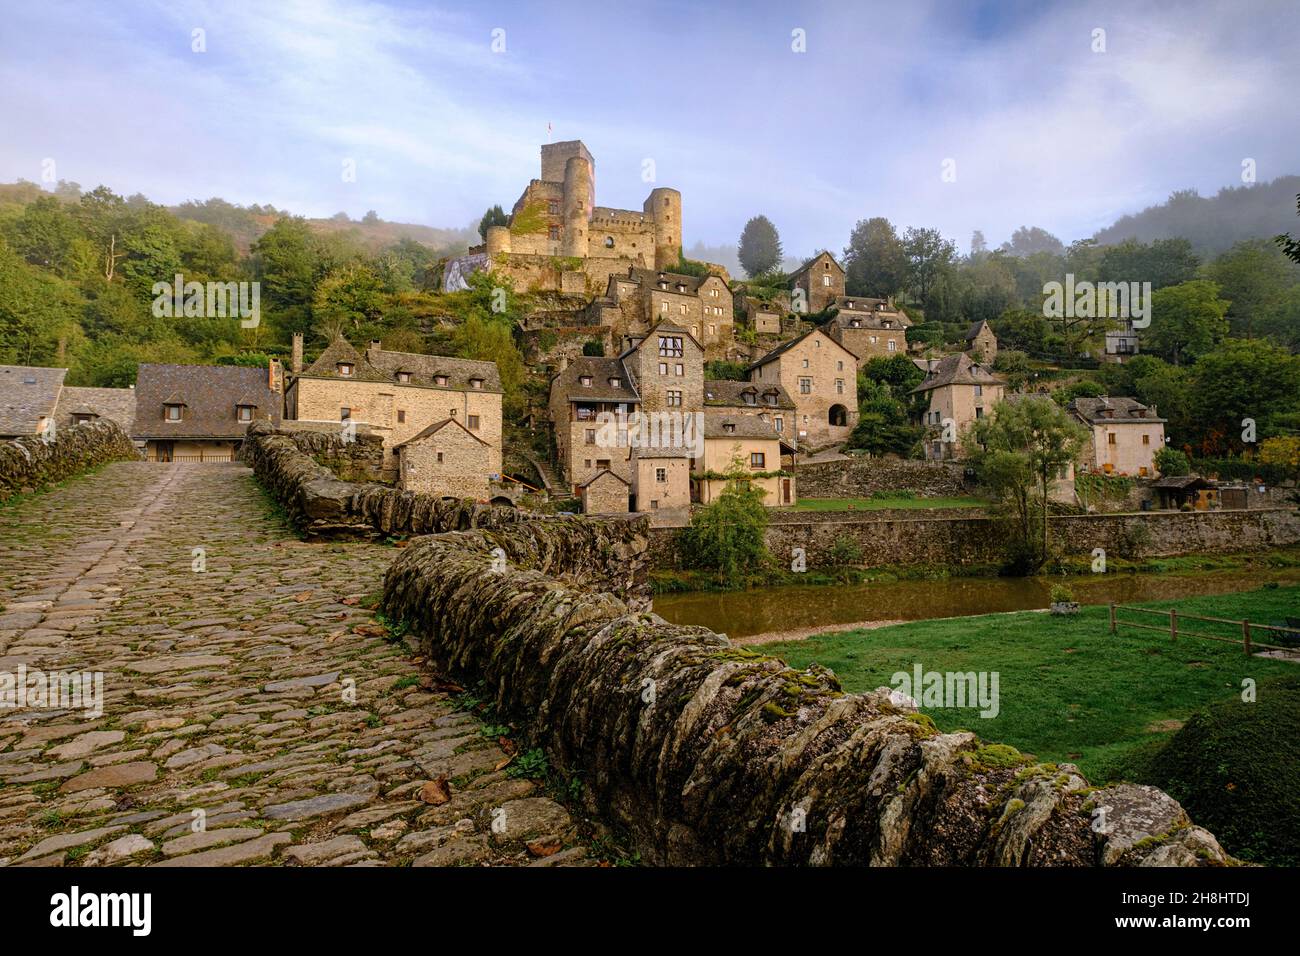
(29, 463)
(861, 477)
(359, 460)
(704, 753)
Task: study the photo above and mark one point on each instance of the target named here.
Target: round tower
(577, 206)
(664, 207)
(498, 240)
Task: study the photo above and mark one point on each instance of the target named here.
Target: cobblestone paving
(253, 712)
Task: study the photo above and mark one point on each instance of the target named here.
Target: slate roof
(209, 394)
(1093, 411)
(601, 474)
(423, 368)
(435, 428)
(867, 314)
(341, 350)
(27, 394)
(601, 371)
(787, 346)
(804, 268)
(743, 426)
(957, 369)
(975, 329)
(722, 392)
(650, 278)
(113, 404)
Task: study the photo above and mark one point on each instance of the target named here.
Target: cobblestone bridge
(253, 711)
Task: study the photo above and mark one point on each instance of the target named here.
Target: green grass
(1069, 690)
(884, 504)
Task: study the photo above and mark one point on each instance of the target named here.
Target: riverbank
(1068, 689)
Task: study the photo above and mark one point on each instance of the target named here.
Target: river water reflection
(763, 610)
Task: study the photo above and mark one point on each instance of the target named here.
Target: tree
(726, 536)
(347, 301)
(1290, 247)
(1171, 462)
(1018, 452)
(883, 424)
(1027, 240)
(1014, 367)
(370, 218)
(491, 340)
(1282, 451)
(760, 247)
(1243, 379)
(495, 216)
(875, 262)
(1255, 277)
(928, 254)
(1187, 320)
(1165, 262)
(978, 244)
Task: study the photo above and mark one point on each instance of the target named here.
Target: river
(782, 609)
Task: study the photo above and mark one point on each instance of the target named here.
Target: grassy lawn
(1069, 691)
(884, 504)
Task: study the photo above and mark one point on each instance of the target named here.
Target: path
(253, 710)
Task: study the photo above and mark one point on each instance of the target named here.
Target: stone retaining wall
(361, 459)
(974, 541)
(29, 463)
(861, 477)
(705, 753)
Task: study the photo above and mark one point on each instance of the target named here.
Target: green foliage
(730, 371)
(594, 347)
(727, 535)
(530, 220)
(760, 246)
(875, 260)
(1171, 462)
(1014, 367)
(1061, 594)
(883, 424)
(1187, 321)
(689, 267)
(495, 216)
(1084, 388)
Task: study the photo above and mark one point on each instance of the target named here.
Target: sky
(955, 115)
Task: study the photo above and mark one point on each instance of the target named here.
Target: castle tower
(664, 207)
(578, 190)
(498, 240)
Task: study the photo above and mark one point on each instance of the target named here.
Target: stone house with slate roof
(822, 280)
(79, 404)
(605, 494)
(636, 300)
(1125, 435)
(748, 441)
(29, 398)
(960, 391)
(445, 459)
(981, 342)
(396, 394)
(868, 327)
(200, 412)
(821, 377)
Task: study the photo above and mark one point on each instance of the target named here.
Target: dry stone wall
(862, 477)
(30, 463)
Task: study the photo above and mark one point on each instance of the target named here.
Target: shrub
(1171, 462)
(593, 347)
(727, 535)
(845, 552)
(1061, 594)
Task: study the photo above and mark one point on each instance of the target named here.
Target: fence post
(1173, 624)
(1245, 636)
(1113, 628)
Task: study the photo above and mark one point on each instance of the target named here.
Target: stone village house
(869, 328)
(959, 390)
(29, 399)
(1125, 435)
(446, 459)
(821, 377)
(199, 413)
(635, 301)
(398, 395)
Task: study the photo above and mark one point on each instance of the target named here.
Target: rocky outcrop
(30, 463)
(705, 753)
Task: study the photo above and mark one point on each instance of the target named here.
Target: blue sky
(1041, 129)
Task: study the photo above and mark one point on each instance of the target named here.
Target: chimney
(296, 362)
(375, 346)
(564, 362)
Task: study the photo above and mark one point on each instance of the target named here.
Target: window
(440, 380)
(729, 427)
(780, 424)
(681, 308)
(654, 505)
(979, 411)
(1146, 439)
(663, 306)
(674, 398)
(553, 208)
(805, 363)
(615, 382)
(345, 368)
(826, 281)
(670, 345)
(839, 386)
(770, 398)
(893, 346)
(403, 376)
(750, 398)
(401, 416)
(440, 458)
(713, 330)
(609, 242)
(454, 412)
(585, 381)
(553, 232)
(839, 366)
(979, 389)
(663, 368)
(1110, 439)
(472, 420)
(172, 412)
(586, 463)
(476, 383)
(602, 463)
(661, 474)
(589, 436)
(805, 386)
(757, 459)
(679, 369)
(81, 418)
(345, 414)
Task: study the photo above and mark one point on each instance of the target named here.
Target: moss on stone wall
(27, 464)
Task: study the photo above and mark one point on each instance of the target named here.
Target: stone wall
(359, 460)
(704, 754)
(861, 477)
(30, 463)
(958, 541)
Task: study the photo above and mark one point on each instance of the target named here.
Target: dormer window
(728, 427)
(81, 418)
(750, 398)
(346, 368)
(403, 376)
(854, 323)
(476, 383)
(770, 398)
(585, 381)
(615, 382)
(244, 413)
(173, 413)
(440, 380)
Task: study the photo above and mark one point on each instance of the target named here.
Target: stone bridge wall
(29, 463)
(705, 753)
(861, 477)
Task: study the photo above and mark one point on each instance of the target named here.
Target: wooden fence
(1173, 627)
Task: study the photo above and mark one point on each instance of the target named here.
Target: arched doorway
(839, 415)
